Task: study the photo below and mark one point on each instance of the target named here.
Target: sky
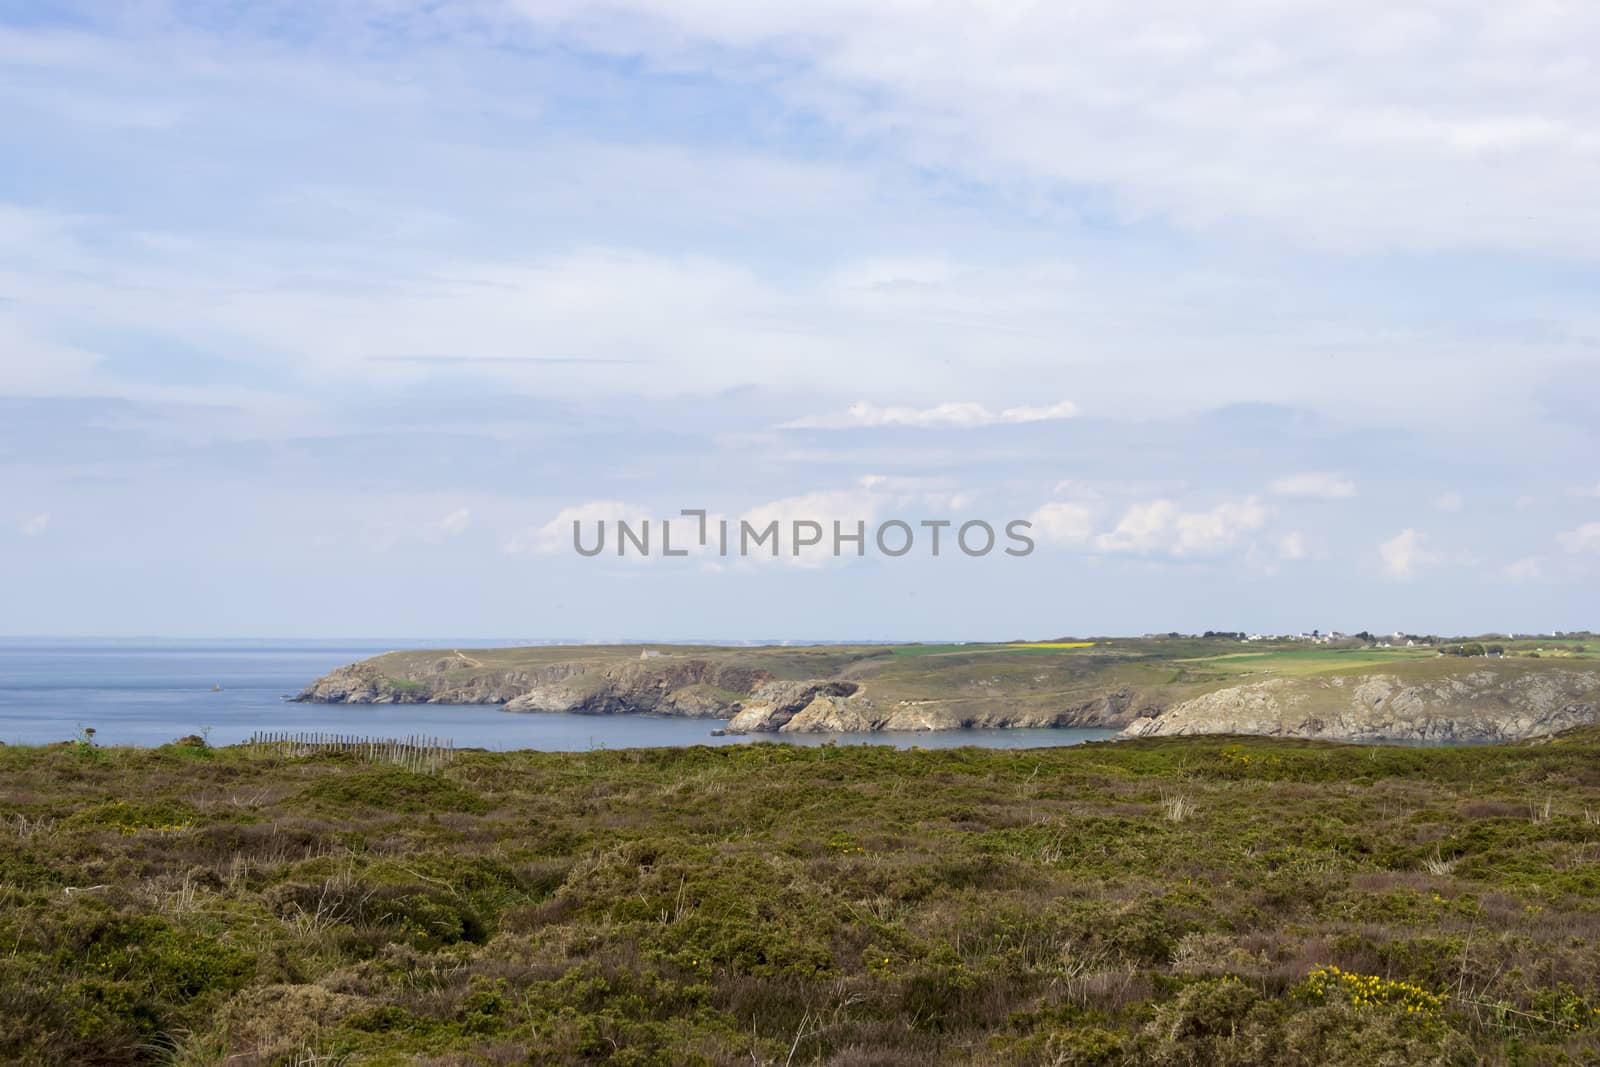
(326, 319)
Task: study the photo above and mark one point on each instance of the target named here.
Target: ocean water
(149, 693)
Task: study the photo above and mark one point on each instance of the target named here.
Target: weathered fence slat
(415, 753)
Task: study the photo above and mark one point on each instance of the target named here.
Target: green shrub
(393, 790)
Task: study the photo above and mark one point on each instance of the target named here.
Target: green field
(1553, 647)
(987, 649)
(1218, 901)
(1302, 660)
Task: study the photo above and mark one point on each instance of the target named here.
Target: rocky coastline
(1472, 704)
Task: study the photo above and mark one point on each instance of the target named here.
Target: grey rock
(1484, 705)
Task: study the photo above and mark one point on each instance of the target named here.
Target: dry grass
(1177, 807)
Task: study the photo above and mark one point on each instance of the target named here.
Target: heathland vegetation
(1220, 901)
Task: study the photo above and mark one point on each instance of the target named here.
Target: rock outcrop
(844, 707)
(439, 683)
(805, 707)
(695, 688)
(1480, 705)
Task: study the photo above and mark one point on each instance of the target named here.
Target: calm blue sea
(148, 693)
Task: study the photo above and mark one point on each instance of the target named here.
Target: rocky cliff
(1483, 704)
(722, 686)
(692, 687)
(834, 707)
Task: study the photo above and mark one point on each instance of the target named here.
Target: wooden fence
(415, 753)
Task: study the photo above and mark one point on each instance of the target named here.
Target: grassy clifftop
(1227, 901)
(1162, 684)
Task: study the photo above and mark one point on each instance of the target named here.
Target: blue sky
(317, 319)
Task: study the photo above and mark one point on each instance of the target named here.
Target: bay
(152, 692)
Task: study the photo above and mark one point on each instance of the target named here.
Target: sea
(149, 692)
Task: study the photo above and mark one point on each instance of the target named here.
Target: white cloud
(413, 317)
(557, 534)
(1061, 523)
(35, 526)
(878, 310)
(1292, 546)
(1332, 139)
(1064, 409)
(1450, 502)
(949, 503)
(1162, 526)
(1403, 554)
(1144, 527)
(1590, 492)
(1205, 532)
(36, 365)
(927, 488)
(850, 508)
(452, 525)
(540, 323)
(1525, 569)
(966, 415)
(1317, 484)
(934, 495)
(1585, 538)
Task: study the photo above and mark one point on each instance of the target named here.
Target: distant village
(1316, 637)
(1459, 646)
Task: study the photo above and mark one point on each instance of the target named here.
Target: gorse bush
(1368, 990)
